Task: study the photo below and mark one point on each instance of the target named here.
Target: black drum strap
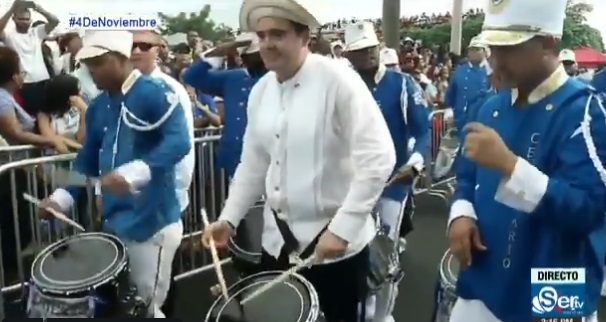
(291, 244)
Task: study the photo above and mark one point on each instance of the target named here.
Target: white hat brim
(505, 38)
(295, 12)
(90, 52)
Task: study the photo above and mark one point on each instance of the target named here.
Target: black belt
(291, 244)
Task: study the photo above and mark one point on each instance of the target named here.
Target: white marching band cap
(477, 42)
(389, 56)
(253, 47)
(567, 55)
(360, 35)
(97, 43)
(512, 22)
(305, 12)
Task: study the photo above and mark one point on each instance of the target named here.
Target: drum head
(246, 244)
(294, 300)
(78, 263)
(449, 269)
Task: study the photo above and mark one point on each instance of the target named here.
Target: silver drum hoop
(448, 277)
(314, 314)
(47, 285)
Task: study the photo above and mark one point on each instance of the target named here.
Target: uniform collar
(547, 87)
(380, 73)
(156, 72)
(483, 64)
(130, 81)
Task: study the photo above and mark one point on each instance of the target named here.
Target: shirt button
(277, 162)
(241, 103)
(244, 89)
(237, 118)
(374, 89)
(105, 129)
(277, 189)
(277, 136)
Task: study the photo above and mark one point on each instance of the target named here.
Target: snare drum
(85, 276)
(246, 246)
(447, 289)
(294, 300)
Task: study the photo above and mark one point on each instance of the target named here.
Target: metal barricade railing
(23, 235)
(438, 179)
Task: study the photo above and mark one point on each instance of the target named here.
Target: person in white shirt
(337, 52)
(317, 145)
(27, 42)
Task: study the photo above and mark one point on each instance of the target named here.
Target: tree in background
(577, 33)
(195, 21)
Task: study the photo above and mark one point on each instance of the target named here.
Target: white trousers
(476, 311)
(151, 264)
(379, 307)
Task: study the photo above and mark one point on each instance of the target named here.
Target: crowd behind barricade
(45, 91)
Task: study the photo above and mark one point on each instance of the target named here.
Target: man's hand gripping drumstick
(46, 206)
(216, 235)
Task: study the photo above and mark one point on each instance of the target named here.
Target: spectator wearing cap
(569, 59)
(389, 58)
(26, 39)
(468, 81)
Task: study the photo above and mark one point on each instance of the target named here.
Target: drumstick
(284, 276)
(53, 212)
(215, 256)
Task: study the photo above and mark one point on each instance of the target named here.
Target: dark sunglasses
(143, 46)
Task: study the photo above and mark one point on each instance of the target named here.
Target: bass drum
(245, 246)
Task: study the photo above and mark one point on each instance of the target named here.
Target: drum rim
(445, 268)
(119, 266)
(314, 307)
(240, 252)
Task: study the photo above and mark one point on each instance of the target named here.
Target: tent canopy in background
(589, 58)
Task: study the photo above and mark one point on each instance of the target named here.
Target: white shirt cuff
(136, 173)
(63, 199)
(416, 160)
(347, 226)
(461, 208)
(525, 189)
(97, 188)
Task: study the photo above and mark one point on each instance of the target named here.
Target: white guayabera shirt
(318, 147)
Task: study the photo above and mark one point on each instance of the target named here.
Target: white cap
(477, 42)
(389, 56)
(305, 12)
(567, 55)
(97, 43)
(253, 47)
(408, 39)
(360, 35)
(512, 22)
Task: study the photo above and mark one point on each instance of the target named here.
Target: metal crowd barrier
(23, 235)
(438, 179)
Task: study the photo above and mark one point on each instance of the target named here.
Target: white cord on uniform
(586, 131)
(125, 114)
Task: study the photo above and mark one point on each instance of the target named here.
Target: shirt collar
(380, 73)
(130, 81)
(547, 87)
(294, 81)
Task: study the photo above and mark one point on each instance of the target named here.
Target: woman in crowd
(61, 118)
(441, 84)
(17, 127)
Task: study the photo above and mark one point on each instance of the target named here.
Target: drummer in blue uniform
(468, 81)
(531, 188)
(139, 135)
(233, 86)
(599, 81)
(405, 110)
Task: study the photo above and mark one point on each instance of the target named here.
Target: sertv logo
(558, 292)
(548, 300)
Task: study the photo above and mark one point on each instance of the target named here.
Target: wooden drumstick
(215, 256)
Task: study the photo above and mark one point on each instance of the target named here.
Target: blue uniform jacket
(233, 86)
(550, 213)
(467, 83)
(146, 159)
(405, 111)
(599, 81)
